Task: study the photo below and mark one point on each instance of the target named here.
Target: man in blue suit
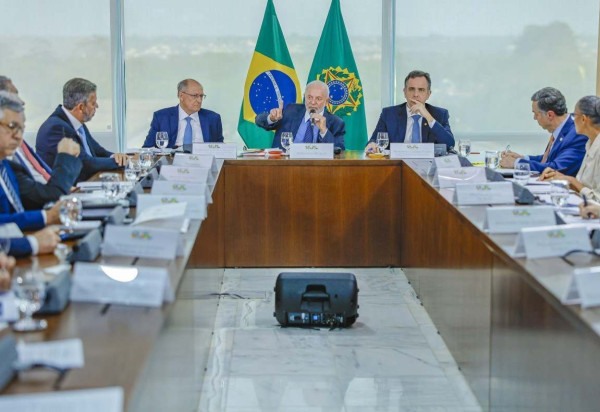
(187, 123)
(12, 121)
(565, 149)
(310, 123)
(414, 121)
(79, 106)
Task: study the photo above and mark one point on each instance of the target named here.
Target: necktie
(34, 162)
(308, 135)
(187, 134)
(548, 148)
(416, 130)
(81, 133)
(12, 194)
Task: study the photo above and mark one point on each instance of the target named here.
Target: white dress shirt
(197, 136)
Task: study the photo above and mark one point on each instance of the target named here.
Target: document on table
(86, 400)
(63, 354)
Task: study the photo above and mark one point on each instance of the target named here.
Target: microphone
(312, 119)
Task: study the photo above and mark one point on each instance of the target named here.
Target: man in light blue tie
(415, 121)
(68, 120)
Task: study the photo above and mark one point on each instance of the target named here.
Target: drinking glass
(491, 159)
(559, 192)
(286, 141)
(162, 140)
(146, 157)
(382, 141)
(5, 245)
(522, 173)
(30, 291)
(132, 170)
(62, 252)
(70, 211)
(110, 184)
(464, 147)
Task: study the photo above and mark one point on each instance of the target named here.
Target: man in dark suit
(310, 123)
(12, 122)
(79, 106)
(414, 121)
(187, 123)
(565, 149)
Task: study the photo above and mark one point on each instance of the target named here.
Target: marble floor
(391, 359)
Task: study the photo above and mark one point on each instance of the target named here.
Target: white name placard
(311, 151)
(411, 150)
(549, 241)
(124, 285)
(444, 162)
(511, 219)
(86, 400)
(8, 307)
(195, 205)
(140, 241)
(445, 178)
(187, 174)
(218, 150)
(586, 284)
(196, 160)
(169, 187)
(64, 354)
(488, 193)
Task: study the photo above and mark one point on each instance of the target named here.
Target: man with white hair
(310, 122)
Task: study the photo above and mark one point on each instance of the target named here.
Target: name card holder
(218, 150)
(196, 160)
(311, 151)
(141, 241)
(188, 174)
(511, 219)
(584, 288)
(449, 177)
(489, 193)
(123, 285)
(444, 162)
(551, 241)
(195, 205)
(165, 187)
(412, 151)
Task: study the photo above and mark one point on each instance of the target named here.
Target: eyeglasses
(13, 127)
(196, 96)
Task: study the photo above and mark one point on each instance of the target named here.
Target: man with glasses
(79, 107)
(187, 123)
(310, 122)
(415, 121)
(565, 149)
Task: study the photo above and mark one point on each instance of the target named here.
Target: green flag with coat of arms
(334, 64)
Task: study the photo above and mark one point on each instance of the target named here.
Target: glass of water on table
(521, 173)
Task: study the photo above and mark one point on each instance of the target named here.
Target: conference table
(517, 345)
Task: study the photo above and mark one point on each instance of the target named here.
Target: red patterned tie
(34, 162)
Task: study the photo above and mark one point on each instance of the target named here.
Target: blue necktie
(12, 194)
(308, 135)
(187, 134)
(416, 130)
(81, 133)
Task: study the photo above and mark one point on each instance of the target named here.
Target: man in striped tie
(12, 123)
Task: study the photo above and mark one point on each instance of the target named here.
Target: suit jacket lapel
(297, 121)
(173, 125)
(402, 119)
(204, 125)
(558, 140)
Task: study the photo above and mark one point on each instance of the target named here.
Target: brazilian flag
(271, 81)
(334, 64)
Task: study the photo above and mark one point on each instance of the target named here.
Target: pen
(585, 203)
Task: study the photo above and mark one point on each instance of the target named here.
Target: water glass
(162, 140)
(492, 159)
(70, 211)
(464, 148)
(132, 170)
(382, 141)
(286, 141)
(30, 290)
(146, 158)
(521, 173)
(110, 184)
(62, 252)
(559, 192)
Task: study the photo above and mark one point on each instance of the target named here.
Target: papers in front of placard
(168, 215)
(550, 241)
(584, 288)
(311, 151)
(195, 205)
(141, 241)
(8, 307)
(511, 219)
(412, 150)
(488, 193)
(124, 285)
(218, 150)
(187, 174)
(449, 177)
(10, 230)
(165, 187)
(444, 162)
(196, 160)
(86, 400)
(63, 354)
